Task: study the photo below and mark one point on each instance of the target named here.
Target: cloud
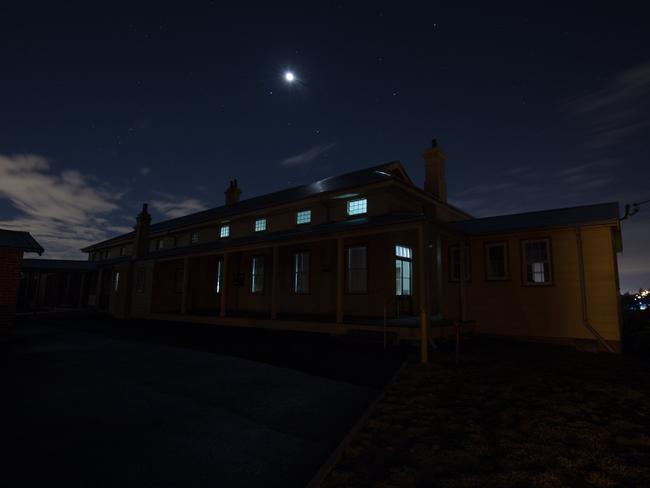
(145, 170)
(63, 211)
(307, 156)
(620, 108)
(176, 206)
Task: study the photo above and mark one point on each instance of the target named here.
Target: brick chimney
(232, 193)
(141, 243)
(434, 172)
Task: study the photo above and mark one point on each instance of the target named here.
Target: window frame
(524, 262)
(468, 265)
(263, 225)
(261, 275)
(506, 260)
(299, 212)
(397, 258)
(351, 201)
(192, 239)
(218, 276)
(223, 227)
(294, 272)
(347, 269)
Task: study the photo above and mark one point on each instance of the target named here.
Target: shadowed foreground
(510, 415)
(106, 407)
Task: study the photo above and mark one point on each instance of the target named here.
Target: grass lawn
(509, 415)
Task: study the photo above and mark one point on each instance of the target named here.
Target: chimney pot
(232, 193)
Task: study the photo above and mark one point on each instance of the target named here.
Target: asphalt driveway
(94, 408)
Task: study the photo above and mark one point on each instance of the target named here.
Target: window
(218, 279)
(303, 217)
(116, 281)
(301, 272)
(357, 270)
(496, 261)
(160, 244)
(224, 231)
(257, 274)
(260, 225)
(454, 264)
(106, 254)
(403, 271)
(94, 256)
(194, 237)
(122, 251)
(357, 207)
(537, 262)
(140, 277)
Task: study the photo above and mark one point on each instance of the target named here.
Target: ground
(104, 403)
(509, 415)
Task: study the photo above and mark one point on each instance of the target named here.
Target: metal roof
(19, 240)
(57, 265)
(361, 177)
(559, 217)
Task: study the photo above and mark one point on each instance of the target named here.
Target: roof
(58, 265)
(559, 217)
(294, 233)
(19, 240)
(361, 177)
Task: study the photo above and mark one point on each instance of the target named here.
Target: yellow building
(370, 251)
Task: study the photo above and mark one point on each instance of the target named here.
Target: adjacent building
(371, 251)
(13, 245)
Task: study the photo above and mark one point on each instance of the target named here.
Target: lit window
(403, 271)
(537, 262)
(224, 231)
(357, 207)
(454, 264)
(403, 252)
(301, 272)
(194, 238)
(260, 225)
(161, 244)
(218, 281)
(357, 270)
(116, 281)
(496, 261)
(140, 280)
(303, 217)
(257, 274)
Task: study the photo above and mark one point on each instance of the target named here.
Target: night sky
(106, 106)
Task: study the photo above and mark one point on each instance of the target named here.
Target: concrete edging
(333, 458)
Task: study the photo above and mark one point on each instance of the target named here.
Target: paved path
(85, 409)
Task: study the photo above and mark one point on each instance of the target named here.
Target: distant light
(643, 306)
(289, 76)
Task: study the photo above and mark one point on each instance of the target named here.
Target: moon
(289, 76)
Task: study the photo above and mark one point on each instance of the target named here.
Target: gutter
(583, 294)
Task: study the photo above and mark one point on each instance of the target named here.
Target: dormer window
(224, 231)
(303, 217)
(358, 206)
(260, 225)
